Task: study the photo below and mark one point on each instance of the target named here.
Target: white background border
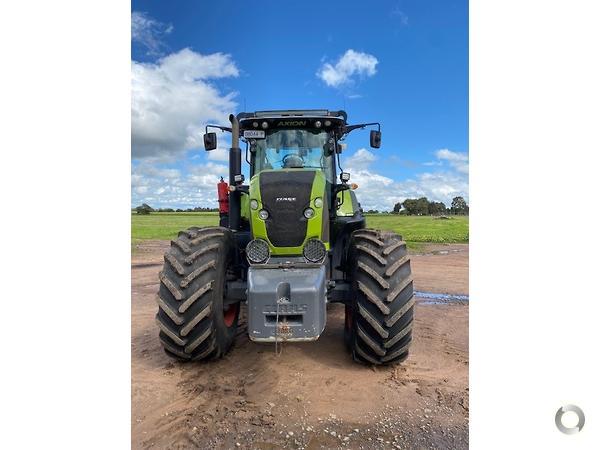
(534, 144)
(65, 146)
(65, 142)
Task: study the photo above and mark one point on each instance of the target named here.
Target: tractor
(290, 241)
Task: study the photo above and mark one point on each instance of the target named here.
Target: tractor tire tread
(382, 310)
(190, 298)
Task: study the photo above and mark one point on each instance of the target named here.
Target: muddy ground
(312, 395)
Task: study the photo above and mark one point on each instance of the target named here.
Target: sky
(401, 63)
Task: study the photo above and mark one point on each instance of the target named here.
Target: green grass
(167, 225)
(423, 228)
(416, 230)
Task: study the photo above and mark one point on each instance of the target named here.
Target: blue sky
(404, 64)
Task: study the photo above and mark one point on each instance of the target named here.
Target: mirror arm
(350, 128)
(218, 127)
(336, 190)
(341, 187)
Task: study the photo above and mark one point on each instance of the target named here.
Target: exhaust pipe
(235, 169)
(235, 131)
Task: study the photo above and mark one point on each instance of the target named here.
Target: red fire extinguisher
(223, 197)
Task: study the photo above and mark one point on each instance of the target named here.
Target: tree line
(147, 209)
(423, 207)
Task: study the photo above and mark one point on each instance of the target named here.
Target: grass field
(416, 230)
(423, 228)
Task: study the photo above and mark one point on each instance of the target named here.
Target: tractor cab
(277, 144)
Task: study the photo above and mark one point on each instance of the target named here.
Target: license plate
(254, 134)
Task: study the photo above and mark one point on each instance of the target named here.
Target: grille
(285, 194)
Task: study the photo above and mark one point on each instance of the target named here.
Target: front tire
(193, 322)
(379, 319)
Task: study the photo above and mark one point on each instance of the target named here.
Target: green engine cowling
(282, 198)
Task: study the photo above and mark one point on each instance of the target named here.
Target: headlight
(309, 212)
(318, 202)
(257, 251)
(263, 214)
(254, 204)
(314, 250)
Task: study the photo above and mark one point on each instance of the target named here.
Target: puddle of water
(432, 298)
(440, 252)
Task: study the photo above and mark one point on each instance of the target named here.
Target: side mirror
(375, 138)
(210, 141)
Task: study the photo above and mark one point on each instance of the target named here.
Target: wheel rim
(230, 313)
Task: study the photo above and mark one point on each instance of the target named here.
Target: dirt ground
(312, 395)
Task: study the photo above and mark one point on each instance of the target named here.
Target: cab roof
(294, 113)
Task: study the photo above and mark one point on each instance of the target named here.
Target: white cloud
(460, 161)
(351, 64)
(149, 32)
(397, 13)
(380, 192)
(361, 159)
(173, 99)
(195, 185)
(439, 187)
(219, 154)
(164, 188)
(375, 190)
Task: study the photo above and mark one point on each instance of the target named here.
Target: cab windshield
(293, 149)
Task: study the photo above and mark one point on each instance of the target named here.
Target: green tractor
(290, 241)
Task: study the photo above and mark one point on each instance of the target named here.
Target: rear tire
(379, 319)
(192, 320)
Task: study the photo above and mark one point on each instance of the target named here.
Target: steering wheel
(292, 161)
